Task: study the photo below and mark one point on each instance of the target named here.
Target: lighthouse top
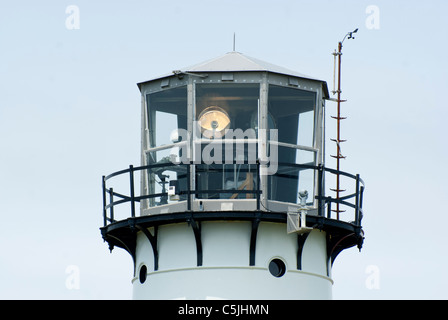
(231, 138)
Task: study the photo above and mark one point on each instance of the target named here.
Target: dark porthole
(277, 268)
(142, 274)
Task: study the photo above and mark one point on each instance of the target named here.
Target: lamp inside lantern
(214, 122)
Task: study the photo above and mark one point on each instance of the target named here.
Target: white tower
(232, 197)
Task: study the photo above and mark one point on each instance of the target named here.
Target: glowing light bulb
(214, 122)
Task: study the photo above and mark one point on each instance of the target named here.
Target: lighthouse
(231, 199)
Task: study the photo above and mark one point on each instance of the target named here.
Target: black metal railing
(325, 204)
(357, 195)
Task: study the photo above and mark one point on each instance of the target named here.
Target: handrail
(322, 200)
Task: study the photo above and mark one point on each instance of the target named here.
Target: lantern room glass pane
(234, 104)
(234, 179)
(167, 111)
(288, 181)
(292, 112)
(227, 168)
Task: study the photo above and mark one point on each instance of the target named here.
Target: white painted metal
(225, 272)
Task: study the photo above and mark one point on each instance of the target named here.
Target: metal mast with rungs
(338, 118)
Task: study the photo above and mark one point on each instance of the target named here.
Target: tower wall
(225, 272)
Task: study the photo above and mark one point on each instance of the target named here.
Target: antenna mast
(338, 118)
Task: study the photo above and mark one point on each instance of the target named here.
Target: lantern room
(226, 134)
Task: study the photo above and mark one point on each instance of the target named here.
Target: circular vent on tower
(277, 267)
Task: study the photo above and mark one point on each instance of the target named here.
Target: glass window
(230, 112)
(167, 111)
(226, 180)
(226, 106)
(288, 181)
(293, 155)
(292, 112)
(164, 176)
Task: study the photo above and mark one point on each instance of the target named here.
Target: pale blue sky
(70, 112)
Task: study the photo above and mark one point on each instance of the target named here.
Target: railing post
(361, 192)
(111, 199)
(357, 201)
(104, 201)
(131, 174)
(320, 194)
(189, 187)
(258, 185)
